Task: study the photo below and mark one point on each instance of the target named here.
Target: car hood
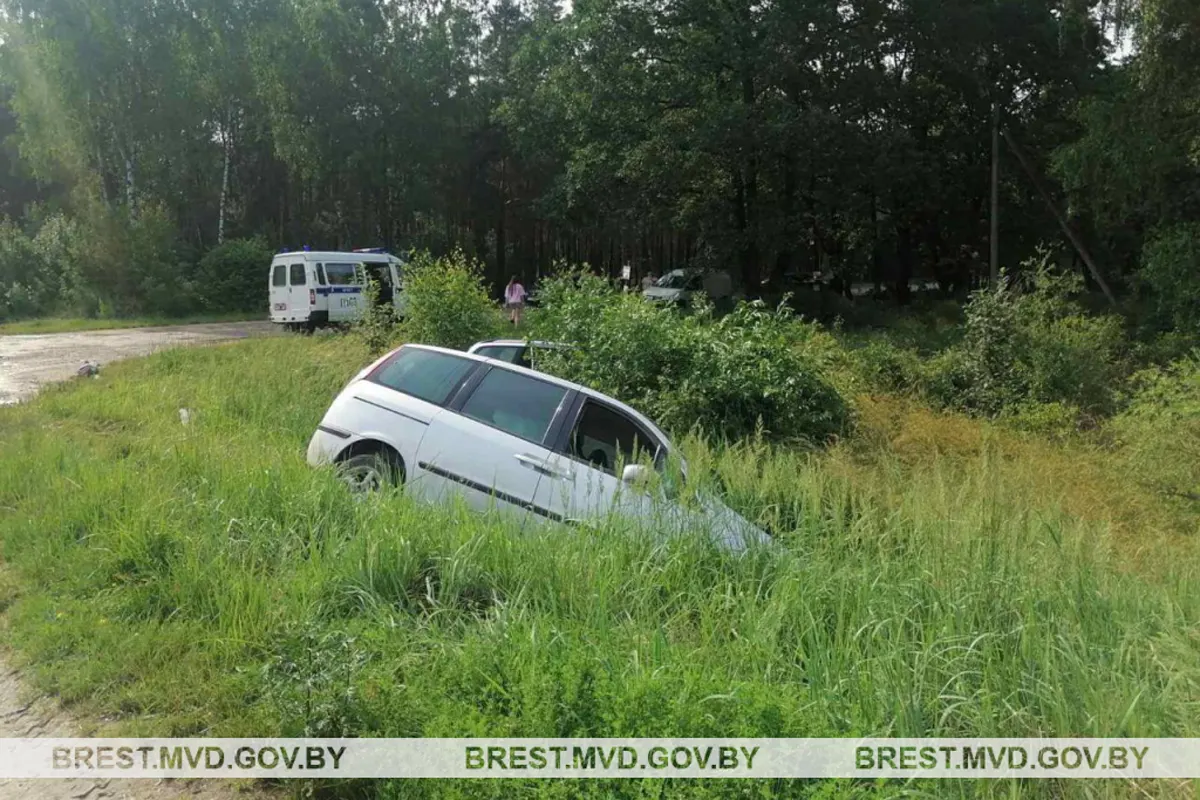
(730, 528)
(707, 514)
(660, 293)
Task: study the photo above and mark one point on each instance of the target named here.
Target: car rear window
(423, 374)
(516, 404)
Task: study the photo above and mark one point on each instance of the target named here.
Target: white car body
(513, 351)
(510, 439)
(311, 288)
(680, 285)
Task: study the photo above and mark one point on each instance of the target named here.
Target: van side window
(297, 275)
(320, 274)
(341, 274)
(279, 275)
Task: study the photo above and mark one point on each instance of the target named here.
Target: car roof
(545, 377)
(520, 343)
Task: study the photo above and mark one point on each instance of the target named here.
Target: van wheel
(371, 472)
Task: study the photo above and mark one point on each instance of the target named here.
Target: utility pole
(994, 235)
(1059, 216)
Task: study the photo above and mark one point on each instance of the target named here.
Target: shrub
(377, 326)
(1160, 427)
(232, 276)
(157, 277)
(122, 263)
(1049, 420)
(726, 377)
(1170, 268)
(27, 285)
(748, 369)
(1030, 343)
(882, 366)
(447, 302)
(60, 241)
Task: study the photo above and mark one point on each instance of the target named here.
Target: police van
(309, 288)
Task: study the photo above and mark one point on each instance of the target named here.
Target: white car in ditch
(443, 423)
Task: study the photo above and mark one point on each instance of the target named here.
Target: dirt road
(21, 716)
(26, 363)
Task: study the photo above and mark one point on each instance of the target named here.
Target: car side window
(426, 375)
(604, 438)
(297, 274)
(516, 404)
(279, 275)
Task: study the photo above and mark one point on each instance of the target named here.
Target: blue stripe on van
(339, 290)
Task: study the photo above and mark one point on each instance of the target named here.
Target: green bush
(447, 302)
(1027, 343)
(1048, 420)
(101, 263)
(27, 286)
(377, 327)
(883, 366)
(156, 276)
(1170, 268)
(726, 377)
(60, 245)
(1160, 427)
(232, 276)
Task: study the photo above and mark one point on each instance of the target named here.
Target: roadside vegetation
(941, 572)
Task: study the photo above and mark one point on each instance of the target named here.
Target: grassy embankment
(70, 324)
(939, 578)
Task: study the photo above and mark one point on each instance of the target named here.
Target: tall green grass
(201, 579)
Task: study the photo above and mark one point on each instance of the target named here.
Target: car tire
(371, 472)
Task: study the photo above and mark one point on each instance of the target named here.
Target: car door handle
(540, 465)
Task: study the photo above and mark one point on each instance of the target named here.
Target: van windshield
(341, 274)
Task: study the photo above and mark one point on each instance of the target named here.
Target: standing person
(649, 280)
(514, 299)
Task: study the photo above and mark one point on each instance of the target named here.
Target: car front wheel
(371, 472)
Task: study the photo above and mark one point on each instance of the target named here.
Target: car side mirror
(635, 474)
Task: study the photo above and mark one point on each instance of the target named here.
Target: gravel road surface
(27, 362)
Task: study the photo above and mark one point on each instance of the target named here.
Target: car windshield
(679, 280)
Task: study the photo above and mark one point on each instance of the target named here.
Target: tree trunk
(994, 234)
(1063, 223)
(787, 256)
(130, 183)
(225, 145)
